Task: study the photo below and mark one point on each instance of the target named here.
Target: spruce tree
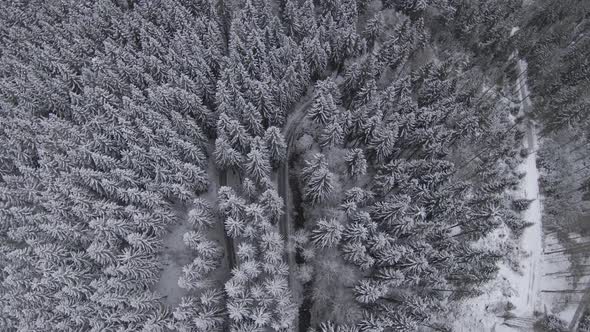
(276, 145)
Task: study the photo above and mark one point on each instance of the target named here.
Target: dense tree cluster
(550, 323)
(121, 121)
(408, 227)
(104, 126)
(556, 44)
(584, 324)
(554, 38)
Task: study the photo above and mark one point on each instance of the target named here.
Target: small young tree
(521, 204)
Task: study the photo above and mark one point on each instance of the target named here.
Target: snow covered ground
(558, 276)
(532, 239)
(176, 254)
(545, 282)
(527, 284)
(521, 289)
(173, 258)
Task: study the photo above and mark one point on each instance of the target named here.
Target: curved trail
(283, 177)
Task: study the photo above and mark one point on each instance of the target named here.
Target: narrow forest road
(285, 226)
(527, 283)
(283, 188)
(532, 239)
(289, 132)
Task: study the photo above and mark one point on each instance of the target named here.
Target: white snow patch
(173, 258)
(175, 254)
(559, 276)
(527, 283)
(521, 289)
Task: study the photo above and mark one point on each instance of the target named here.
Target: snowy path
(532, 239)
(521, 289)
(526, 298)
(285, 227)
(284, 190)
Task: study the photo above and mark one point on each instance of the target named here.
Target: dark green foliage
(104, 127)
(554, 39)
(411, 239)
(550, 324)
(516, 224)
(521, 204)
(556, 44)
(584, 325)
(112, 111)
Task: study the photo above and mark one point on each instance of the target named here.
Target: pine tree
(205, 248)
(238, 136)
(332, 135)
(315, 52)
(258, 164)
(276, 145)
(521, 204)
(317, 162)
(252, 119)
(325, 104)
(230, 204)
(320, 185)
(327, 233)
(356, 164)
(272, 203)
(356, 253)
(226, 157)
(249, 189)
(373, 29)
(143, 242)
(382, 143)
(369, 291)
(201, 215)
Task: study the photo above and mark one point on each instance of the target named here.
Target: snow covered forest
(294, 165)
